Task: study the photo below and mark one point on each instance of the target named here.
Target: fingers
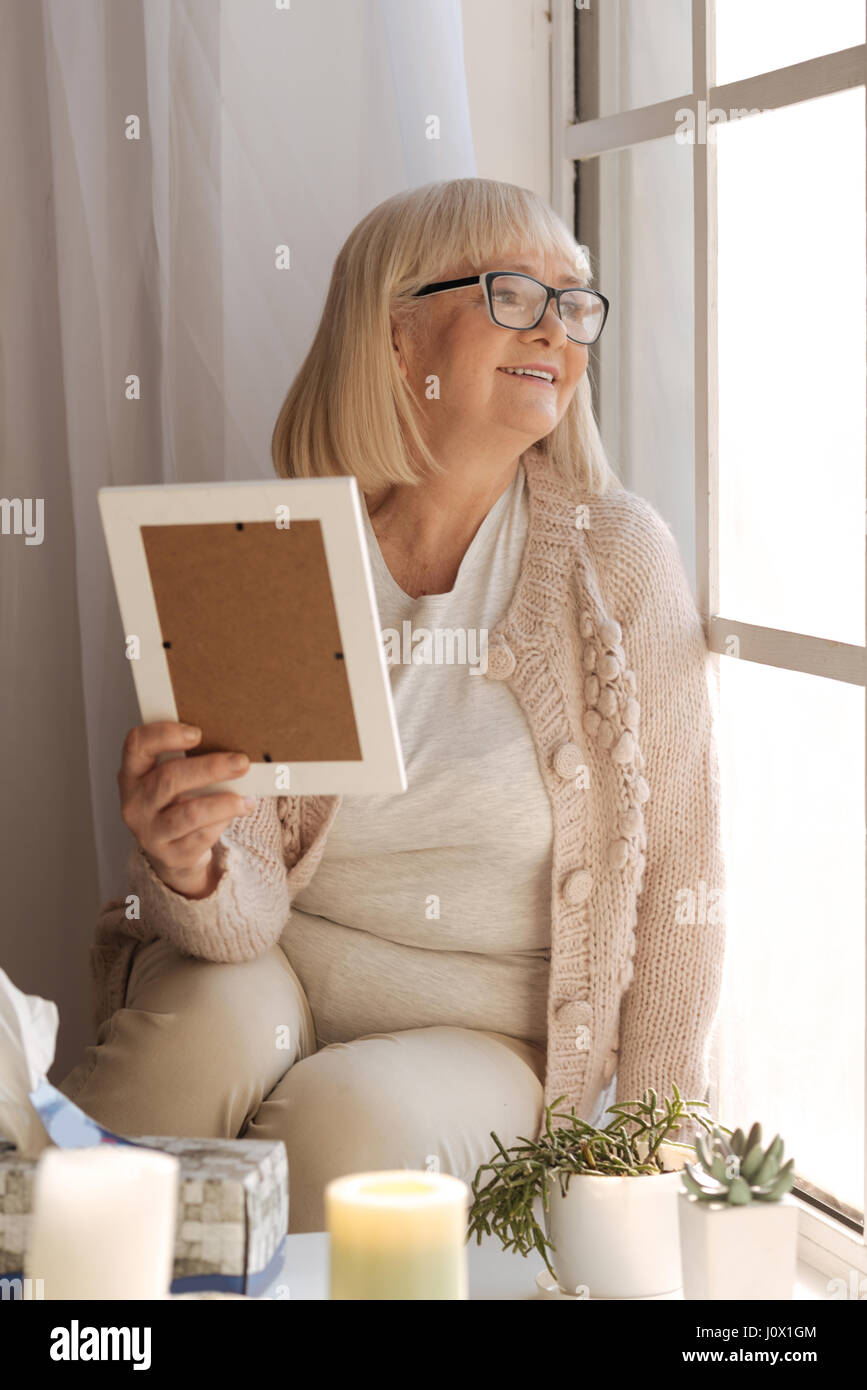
(202, 815)
(143, 745)
(149, 788)
(180, 840)
(166, 783)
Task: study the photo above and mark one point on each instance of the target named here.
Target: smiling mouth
(523, 374)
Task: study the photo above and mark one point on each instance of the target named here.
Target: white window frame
(825, 1242)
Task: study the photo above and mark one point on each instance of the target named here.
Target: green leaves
(781, 1184)
(771, 1163)
(721, 1175)
(752, 1162)
(739, 1192)
(692, 1183)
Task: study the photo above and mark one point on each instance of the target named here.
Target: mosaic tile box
(233, 1212)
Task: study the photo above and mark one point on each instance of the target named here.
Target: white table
(495, 1274)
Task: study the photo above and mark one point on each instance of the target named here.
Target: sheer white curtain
(155, 258)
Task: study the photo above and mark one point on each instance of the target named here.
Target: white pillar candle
(397, 1235)
(104, 1222)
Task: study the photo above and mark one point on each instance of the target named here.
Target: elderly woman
(380, 981)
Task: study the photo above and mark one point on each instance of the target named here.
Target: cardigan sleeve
(247, 909)
(668, 1011)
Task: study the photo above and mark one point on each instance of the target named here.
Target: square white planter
(747, 1252)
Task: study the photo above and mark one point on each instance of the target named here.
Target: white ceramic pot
(747, 1252)
(618, 1237)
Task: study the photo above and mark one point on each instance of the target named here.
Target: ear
(398, 347)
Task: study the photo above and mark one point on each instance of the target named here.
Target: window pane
(644, 263)
(759, 35)
(791, 1034)
(791, 367)
(644, 55)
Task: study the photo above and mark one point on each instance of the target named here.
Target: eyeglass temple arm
(449, 285)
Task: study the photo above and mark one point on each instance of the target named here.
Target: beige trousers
(225, 1051)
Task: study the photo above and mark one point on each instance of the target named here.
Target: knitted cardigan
(604, 650)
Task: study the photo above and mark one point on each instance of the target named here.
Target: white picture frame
(335, 504)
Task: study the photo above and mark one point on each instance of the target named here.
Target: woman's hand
(178, 835)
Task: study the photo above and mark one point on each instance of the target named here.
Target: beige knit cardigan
(604, 650)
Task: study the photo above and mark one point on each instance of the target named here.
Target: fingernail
(239, 762)
(191, 732)
(249, 803)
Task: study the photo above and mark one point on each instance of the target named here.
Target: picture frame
(249, 610)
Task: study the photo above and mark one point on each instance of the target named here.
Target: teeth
(529, 371)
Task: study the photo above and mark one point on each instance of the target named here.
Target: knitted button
(607, 734)
(624, 748)
(591, 690)
(631, 682)
(607, 702)
(574, 1013)
(589, 658)
(642, 790)
(631, 713)
(618, 853)
(567, 760)
(607, 667)
(578, 887)
(586, 625)
(501, 661)
(610, 632)
(631, 821)
(590, 722)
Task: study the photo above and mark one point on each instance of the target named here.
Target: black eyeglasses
(516, 300)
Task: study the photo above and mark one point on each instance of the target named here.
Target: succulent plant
(736, 1169)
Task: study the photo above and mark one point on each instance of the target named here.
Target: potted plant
(738, 1221)
(608, 1197)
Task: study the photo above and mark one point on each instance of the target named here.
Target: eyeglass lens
(517, 303)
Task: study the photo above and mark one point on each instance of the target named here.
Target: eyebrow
(577, 282)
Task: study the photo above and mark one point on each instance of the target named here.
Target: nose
(550, 329)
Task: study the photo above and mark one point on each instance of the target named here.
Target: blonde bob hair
(350, 410)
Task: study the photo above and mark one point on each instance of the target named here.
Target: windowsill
(829, 1251)
(495, 1274)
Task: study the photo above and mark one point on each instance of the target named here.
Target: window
(712, 158)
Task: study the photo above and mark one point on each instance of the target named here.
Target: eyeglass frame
(488, 276)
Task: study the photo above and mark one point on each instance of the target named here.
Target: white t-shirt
(433, 906)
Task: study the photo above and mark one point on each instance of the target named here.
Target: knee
(332, 1127)
(162, 980)
(334, 1117)
(247, 1009)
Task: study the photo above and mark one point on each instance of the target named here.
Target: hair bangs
(469, 225)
